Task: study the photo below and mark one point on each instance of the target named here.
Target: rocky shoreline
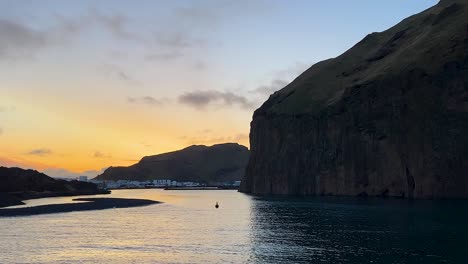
(87, 204)
(7, 199)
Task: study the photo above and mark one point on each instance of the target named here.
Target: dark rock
(86, 205)
(9, 200)
(389, 117)
(29, 184)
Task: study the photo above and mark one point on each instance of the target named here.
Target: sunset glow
(89, 84)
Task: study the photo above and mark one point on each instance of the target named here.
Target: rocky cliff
(389, 117)
(218, 163)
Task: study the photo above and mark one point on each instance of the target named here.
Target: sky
(85, 85)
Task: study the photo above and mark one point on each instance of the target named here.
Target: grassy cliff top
(423, 41)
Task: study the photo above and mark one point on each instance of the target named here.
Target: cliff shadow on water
(357, 230)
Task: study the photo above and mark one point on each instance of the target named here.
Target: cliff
(389, 117)
(218, 163)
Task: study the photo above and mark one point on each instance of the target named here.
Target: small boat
(216, 205)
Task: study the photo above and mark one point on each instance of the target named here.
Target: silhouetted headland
(19, 184)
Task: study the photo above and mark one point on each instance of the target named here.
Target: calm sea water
(187, 228)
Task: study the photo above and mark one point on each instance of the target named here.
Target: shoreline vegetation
(86, 204)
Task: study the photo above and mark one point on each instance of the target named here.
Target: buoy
(217, 205)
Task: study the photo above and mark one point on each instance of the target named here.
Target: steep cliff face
(218, 163)
(389, 117)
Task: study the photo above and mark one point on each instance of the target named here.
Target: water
(187, 228)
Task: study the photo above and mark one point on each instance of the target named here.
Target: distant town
(162, 183)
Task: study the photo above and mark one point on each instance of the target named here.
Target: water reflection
(344, 230)
(187, 228)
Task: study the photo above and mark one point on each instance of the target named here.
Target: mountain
(19, 184)
(389, 117)
(218, 163)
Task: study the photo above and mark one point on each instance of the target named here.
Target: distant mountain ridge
(198, 163)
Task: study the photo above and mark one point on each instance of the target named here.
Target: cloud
(100, 155)
(201, 99)
(205, 131)
(18, 41)
(274, 86)
(147, 100)
(115, 71)
(4, 109)
(208, 139)
(40, 152)
(164, 56)
(116, 25)
(146, 144)
(199, 65)
(188, 22)
(212, 13)
(281, 79)
(175, 39)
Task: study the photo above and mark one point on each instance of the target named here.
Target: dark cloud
(124, 76)
(201, 99)
(115, 71)
(19, 41)
(40, 152)
(148, 100)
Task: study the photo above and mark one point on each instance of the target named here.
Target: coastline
(37, 195)
(17, 198)
(87, 204)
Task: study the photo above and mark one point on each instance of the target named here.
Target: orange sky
(90, 137)
(89, 84)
